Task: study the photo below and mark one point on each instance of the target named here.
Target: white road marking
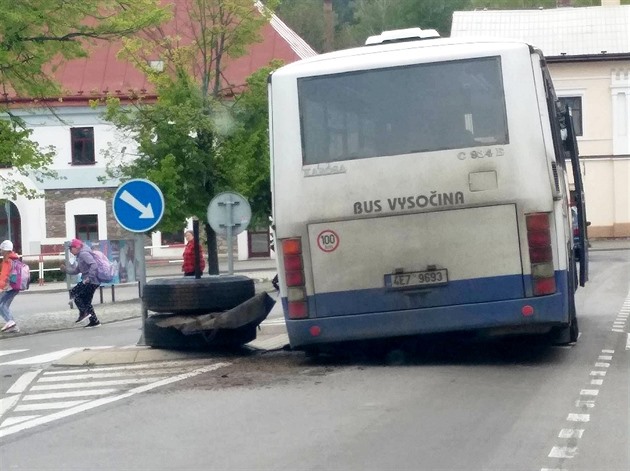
(68, 394)
(10, 352)
(49, 357)
(579, 417)
(608, 351)
(605, 357)
(113, 374)
(17, 419)
(106, 400)
(45, 358)
(589, 392)
(602, 365)
(587, 404)
(597, 373)
(618, 330)
(571, 433)
(563, 452)
(48, 406)
(93, 384)
(23, 382)
(628, 342)
(7, 402)
(597, 382)
(132, 366)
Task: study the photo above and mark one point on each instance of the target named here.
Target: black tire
(574, 330)
(569, 334)
(190, 295)
(172, 338)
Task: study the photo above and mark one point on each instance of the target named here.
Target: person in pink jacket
(7, 295)
(83, 292)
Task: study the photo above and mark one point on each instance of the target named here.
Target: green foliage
(23, 155)
(194, 143)
(528, 4)
(306, 17)
(244, 155)
(358, 19)
(35, 38)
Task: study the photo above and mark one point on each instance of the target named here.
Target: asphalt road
(448, 405)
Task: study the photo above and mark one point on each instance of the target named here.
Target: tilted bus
(421, 186)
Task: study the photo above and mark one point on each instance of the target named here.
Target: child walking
(7, 295)
(83, 292)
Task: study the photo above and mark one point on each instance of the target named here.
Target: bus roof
(474, 42)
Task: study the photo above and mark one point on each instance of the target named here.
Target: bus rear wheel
(569, 334)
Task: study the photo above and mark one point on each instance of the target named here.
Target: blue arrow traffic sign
(138, 205)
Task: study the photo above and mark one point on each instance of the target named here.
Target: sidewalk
(270, 335)
(261, 270)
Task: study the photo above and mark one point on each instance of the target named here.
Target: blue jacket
(86, 265)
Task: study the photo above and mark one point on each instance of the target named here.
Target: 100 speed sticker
(328, 240)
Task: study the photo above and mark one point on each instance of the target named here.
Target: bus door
(572, 148)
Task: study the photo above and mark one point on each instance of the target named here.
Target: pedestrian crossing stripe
(10, 352)
(46, 357)
(73, 394)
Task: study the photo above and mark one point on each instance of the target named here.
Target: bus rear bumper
(500, 317)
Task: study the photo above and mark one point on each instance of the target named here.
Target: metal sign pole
(141, 271)
(141, 274)
(223, 210)
(229, 205)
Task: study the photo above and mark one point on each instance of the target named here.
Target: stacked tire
(165, 298)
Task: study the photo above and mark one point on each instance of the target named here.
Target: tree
(528, 4)
(244, 155)
(358, 19)
(306, 17)
(35, 38)
(184, 142)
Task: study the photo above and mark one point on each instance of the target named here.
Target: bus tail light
(293, 265)
(540, 253)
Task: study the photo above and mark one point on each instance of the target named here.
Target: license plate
(417, 278)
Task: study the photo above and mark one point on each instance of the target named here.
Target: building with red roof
(79, 204)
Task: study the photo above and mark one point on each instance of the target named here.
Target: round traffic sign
(138, 205)
(229, 209)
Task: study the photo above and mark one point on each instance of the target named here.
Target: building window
(574, 103)
(172, 238)
(86, 227)
(82, 146)
(157, 65)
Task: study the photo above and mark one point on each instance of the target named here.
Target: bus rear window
(402, 110)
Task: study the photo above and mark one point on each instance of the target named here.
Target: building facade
(588, 54)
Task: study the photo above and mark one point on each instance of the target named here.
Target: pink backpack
(105, 271)
(20, 275)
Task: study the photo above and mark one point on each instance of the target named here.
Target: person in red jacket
(6, 293)
(188, 267)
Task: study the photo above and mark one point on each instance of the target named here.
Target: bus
(421, 185)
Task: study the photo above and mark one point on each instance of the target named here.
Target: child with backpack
(83, 292)
(7, 292)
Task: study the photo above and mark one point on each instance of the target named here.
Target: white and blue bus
(420, 185)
